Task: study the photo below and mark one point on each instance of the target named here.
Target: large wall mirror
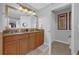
(19, 19)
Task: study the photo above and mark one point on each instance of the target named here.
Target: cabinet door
(39, 38)
(32, 41)
(11, 48)
(23, 46)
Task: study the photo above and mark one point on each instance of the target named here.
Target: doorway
(61, 45)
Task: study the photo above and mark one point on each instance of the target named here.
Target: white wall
(47, 19)
(1, 16)
(1, 21)
(75, 29)
(62, 35)
(29, 20)
(47, 22)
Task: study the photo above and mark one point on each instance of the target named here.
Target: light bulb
(33, 13)
(25, 10)
(30, 12)
(20, 8)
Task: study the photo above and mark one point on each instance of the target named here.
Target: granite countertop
(18, 33)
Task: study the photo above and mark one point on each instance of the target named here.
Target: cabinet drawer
(9, 38)
(15, 37)
(32, 35)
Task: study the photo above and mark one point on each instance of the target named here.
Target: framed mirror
(18, 19)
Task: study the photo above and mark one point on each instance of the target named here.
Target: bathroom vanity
(22, 42)
(21, 34)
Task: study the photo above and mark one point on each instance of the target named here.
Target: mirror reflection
(20, 19)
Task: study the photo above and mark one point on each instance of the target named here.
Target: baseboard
(62, 41)
(75, 53)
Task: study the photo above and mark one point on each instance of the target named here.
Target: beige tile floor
(39, 52)
(60, 49)
(56, 49)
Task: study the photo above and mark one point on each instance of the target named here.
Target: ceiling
(34, 6)
(38, 5)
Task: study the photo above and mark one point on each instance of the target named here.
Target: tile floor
(60, 49)
(56, 49)
(38, 51)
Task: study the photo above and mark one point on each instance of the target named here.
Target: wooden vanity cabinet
(11, 48)
(39, 38)
(31, 41)
(15, 44)
(21, 44)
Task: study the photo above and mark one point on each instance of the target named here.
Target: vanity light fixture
(33, 13)
(25, 10)
(30, 12)
(20, 8)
